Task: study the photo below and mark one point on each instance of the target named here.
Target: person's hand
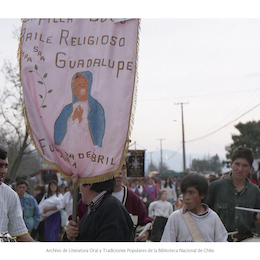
(45, 210)
(78, 113)
(143, 237)
(258, 217)
(72, 229)
(43, 217)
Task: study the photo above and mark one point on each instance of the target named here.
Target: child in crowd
(159, 211)
(195, 221)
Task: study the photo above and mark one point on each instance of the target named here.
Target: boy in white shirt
(207, 223)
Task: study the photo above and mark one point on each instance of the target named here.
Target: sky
(210, 63)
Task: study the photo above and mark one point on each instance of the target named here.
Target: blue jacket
(31, 212)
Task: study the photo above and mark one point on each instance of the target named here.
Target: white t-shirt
(209, 225)
(119, 195)
(160, 208)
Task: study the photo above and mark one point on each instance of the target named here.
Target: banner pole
(75, 203)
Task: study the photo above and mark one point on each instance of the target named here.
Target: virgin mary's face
(80, 88)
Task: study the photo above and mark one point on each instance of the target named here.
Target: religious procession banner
(79, 81)
(135, 163)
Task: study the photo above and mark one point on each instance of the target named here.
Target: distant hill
(172, 159)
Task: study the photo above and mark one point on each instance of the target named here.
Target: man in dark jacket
(106, 218)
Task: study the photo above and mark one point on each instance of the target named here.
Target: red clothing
(133, 205)
(136, 207)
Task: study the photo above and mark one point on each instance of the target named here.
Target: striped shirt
(96, 201)
(11, 215)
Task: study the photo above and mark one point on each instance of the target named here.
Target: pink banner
(78, 78)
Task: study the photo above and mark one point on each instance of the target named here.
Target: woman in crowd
(170, 190)
(151, 189)
(50, 206)
(159, 211)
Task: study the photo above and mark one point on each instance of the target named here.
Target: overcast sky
(211, 65)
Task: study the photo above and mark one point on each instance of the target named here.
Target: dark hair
(170, 184)
(39, 187)
(108, 185)
(20, 182)
(243, 152)
(49, 190)
(195, 180)
(3, 154)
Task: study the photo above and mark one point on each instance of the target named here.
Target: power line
(175, 153)
(224, 125)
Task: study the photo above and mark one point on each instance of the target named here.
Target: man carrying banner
(106, 218)
(236, 190)
(11, 215)
(132, 203)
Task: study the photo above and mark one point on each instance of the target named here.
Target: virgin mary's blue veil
(96, 117)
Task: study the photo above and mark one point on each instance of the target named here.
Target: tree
(249, 136)
(163, 167)
(14, 133)
(152, 167)
(213, 164)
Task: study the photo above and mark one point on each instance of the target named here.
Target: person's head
(90, 191)
(162, 195)
(52, 188)
(138, 182)
(168, 182)
(121, 176)
(151, 181)
(196, 180)
(243, 152)
(38, 189)
(194, 187)
(213, 178)
(7, 181)
(133, 184)
(3, 164)
(241, 164)
(80, 85)
(21, 187)
(108, 185)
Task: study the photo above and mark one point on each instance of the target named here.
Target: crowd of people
(46, 209)
(191, 208)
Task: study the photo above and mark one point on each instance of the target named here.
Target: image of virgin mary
(83, 117)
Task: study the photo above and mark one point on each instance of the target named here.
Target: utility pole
(161, 149)
(183, 138)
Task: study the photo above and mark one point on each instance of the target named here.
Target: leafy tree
(213, 164)
(14, 135)
(249, 136)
